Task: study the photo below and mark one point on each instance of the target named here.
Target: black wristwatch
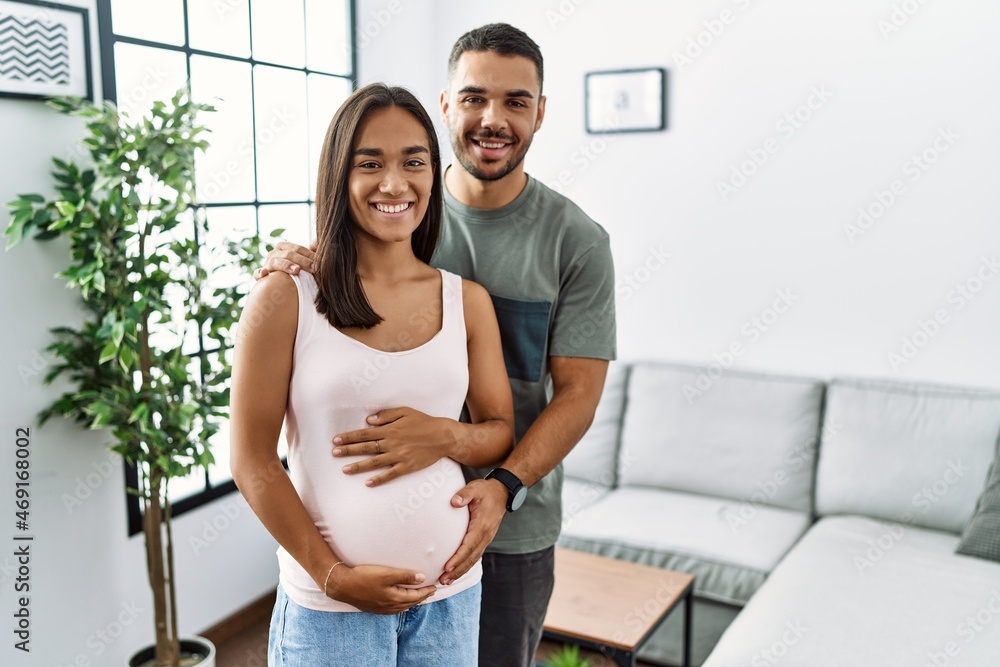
(516, 489)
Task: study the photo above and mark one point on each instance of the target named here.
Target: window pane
(282, 134)
(278, 30)
(169, 334)
(218, 472)
(221, 27)
(293, 218)
(326, 94)
(181, 487)
(224, 173)
(229, 223)
(144, 75)
(328, 46)
(155, 20)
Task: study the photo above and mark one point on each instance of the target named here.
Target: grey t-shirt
(549, 271)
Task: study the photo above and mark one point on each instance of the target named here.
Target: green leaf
(126, 358)
(141, 412)
(38, 199)
(118, 332)
(66, 209)
(110, 351)
(14, 233)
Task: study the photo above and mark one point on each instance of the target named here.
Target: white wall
(89, 600)
(784, 229)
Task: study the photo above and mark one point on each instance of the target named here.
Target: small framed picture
(630, 100)
(44, 50)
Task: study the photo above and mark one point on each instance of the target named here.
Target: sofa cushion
(903, 452)
(859, 591)
(730, 557)
(578, 495)
(981, 538)
(746, 436)
(594, 457)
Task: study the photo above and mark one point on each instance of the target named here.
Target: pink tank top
(336, 383)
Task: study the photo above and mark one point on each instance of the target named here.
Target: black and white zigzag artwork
(34, 49)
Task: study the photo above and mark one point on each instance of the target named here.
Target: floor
(247, 646)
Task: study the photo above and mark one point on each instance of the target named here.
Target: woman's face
(391, 175)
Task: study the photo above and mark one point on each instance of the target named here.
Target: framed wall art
(44, 50)
(631, 100)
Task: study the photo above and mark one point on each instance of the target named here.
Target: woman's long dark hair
(341, 296)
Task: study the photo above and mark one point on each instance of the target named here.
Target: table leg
(688, 604)
(622, 658)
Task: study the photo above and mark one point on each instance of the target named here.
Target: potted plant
(567, 656)
(143, 272)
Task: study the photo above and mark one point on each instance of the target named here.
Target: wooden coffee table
(613, 606)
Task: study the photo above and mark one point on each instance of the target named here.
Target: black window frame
(107, 40)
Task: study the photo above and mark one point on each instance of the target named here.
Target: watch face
(518, 498)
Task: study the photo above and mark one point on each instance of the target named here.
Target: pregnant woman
(376, 328)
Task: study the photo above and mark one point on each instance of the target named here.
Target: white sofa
(820, 519)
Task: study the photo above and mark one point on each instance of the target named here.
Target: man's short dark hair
(502, 39)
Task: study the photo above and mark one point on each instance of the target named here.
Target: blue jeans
(443, 634)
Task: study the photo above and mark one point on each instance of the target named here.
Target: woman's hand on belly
(402, 439)
(377, 589)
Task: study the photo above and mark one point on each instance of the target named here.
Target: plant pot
(192, 646)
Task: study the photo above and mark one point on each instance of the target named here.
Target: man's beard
(464, 158)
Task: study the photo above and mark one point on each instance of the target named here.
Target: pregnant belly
(408, 523)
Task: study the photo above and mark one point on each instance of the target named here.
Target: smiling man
(548, 269)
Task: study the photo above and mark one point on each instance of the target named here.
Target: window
(276, 71)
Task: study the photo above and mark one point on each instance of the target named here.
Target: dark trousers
(516, 591)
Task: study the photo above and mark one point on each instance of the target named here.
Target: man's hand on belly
(377, 589)
(487, 502)
(403, 440)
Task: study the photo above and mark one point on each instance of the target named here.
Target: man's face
(492, 108)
